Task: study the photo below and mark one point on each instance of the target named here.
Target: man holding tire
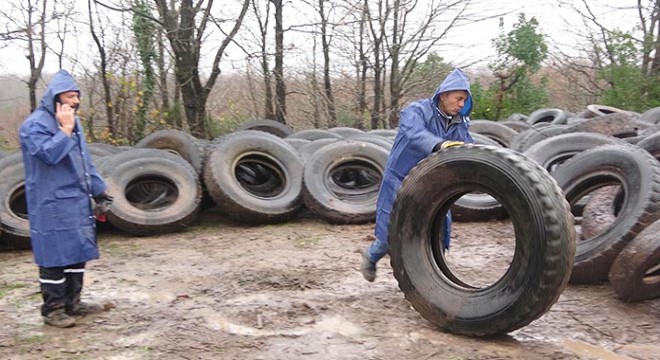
(426, 126)
(60, 183)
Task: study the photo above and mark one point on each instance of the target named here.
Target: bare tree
(362, 66)
(263, 22)
(377, 29)
(26, 26)
(186, 35)
(608, 48)
(327, 82)
(105, 80)
(278, 71)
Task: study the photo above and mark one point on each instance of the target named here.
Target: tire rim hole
(18, 202)
(603, 206)
(652, 275)
(490, 259)
(355, 180)
(260, 176)
(151, 193)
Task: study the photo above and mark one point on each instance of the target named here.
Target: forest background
(207, 66)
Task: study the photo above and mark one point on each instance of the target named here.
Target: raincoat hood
(456, 80)
(61, 82)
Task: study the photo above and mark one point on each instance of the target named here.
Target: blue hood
(61, 82)
(456, 80)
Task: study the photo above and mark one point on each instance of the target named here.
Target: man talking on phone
(62, 186)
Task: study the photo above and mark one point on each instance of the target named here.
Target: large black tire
(112, 149)
(620, 125)
(179, 143)
(523, 140)
(619, 164)
(547, 115)
(650, 130)
(651, 144)
(388, 133)
(255, 177)
(154, 191)
(267, 125)
(346, 131)
(315, 134)
(600, 110)
(635, 274)
(544, 236)
(297, 143)
(651, 116)
(341, 181)
(13, 204)
(480, 139)
(518, 126)
(308, 150)
(383, 142)
(516, 117)
(499, 132)
(552, 152)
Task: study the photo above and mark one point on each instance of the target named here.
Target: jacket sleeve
(413, 124)
(45, 145)
(98, 184)
(467, 138)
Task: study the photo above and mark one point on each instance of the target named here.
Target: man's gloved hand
(446, 144)
(103, 197)
(103, 201)
(450, 143)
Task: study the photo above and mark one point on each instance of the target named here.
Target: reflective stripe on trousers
(60, 286)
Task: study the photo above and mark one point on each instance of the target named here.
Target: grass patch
(119, 247)
(307, 242)
(5, 289)
(31, 340)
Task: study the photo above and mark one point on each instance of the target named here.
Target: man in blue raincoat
(425, 126)
(60, 184)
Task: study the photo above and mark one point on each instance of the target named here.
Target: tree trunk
(362, 69)
(395, 79)
(162, 73)
(280, 88)
(36, 66)
(327, 84)
(269, 113)
(107, 95)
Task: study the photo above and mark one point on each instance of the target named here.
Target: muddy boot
(83, 308)
(368, 268)
(59, 318)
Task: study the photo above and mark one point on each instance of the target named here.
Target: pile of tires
(262, 173)
(606, 161)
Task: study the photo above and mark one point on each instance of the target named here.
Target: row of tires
(254, 177)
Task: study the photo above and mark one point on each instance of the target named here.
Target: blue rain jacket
(421, 127)
(60, 182)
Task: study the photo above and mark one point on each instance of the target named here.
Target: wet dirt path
(293, 291)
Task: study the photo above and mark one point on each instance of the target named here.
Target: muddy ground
(294, 291)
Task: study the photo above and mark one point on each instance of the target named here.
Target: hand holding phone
(65, 116)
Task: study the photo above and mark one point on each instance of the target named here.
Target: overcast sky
(560, 24)
(468, 43)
